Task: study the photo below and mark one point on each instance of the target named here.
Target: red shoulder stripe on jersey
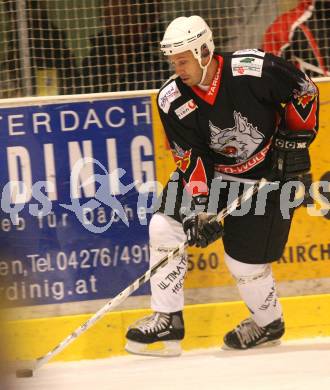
(198, 180)
(210, 95)
(294, 119)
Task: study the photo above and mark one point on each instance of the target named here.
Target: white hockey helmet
(187, 33)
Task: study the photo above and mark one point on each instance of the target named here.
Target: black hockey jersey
(229, 127)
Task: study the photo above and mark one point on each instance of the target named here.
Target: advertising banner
(68, 240)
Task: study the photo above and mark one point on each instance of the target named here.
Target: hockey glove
(290, 155)
(200, 229)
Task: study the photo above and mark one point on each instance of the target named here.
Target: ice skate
(249, 335)
(156, 335)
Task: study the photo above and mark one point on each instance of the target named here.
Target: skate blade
(272, 343)
(162, 348)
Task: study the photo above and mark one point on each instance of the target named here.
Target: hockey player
(229, 118)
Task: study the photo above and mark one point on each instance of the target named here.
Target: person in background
(124, 55)
(302, 35)
(49, 51)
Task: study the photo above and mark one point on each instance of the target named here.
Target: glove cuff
(200, 200)
(198, 204)
(287, 140)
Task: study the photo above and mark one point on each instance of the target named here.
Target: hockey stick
(28, 367)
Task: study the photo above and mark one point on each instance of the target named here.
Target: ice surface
(294, 365)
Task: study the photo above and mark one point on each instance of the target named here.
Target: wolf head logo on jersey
(181, 157)
(305, 95)
(239, 141)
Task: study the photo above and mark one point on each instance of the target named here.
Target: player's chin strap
(204, 68)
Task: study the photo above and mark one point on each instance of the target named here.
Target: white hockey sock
(167, 285)
(257, 288)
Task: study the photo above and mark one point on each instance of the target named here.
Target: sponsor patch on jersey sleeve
(186, 109)
(247, 66)
(167, 95)
(248, 52)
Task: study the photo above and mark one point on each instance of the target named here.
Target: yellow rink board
(307, 254)
(206, 324)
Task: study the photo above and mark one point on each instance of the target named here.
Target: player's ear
(205, 54)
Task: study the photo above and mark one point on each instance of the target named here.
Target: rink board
(206, 324)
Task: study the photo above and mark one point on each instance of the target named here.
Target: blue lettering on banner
(73, 177)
